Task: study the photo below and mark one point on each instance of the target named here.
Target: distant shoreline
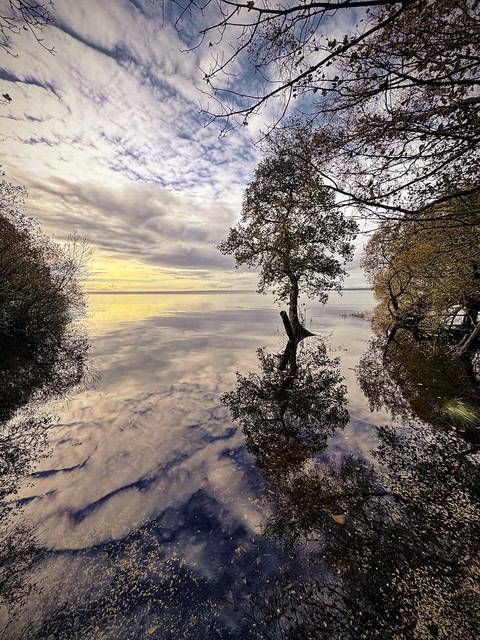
(199, 292)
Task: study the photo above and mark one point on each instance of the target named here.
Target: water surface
(157, 516)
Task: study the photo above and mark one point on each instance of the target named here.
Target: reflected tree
(288, 414)
(376, 548)
(385, 550)
(416, 380)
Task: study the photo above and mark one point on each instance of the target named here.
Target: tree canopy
(292, 230)
(39, 298)
(426, 272)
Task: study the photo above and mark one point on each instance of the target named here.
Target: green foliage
(463, 414)
(291, 228)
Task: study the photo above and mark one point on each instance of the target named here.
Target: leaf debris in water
(341, 518)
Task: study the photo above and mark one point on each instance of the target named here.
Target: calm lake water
(156, 515)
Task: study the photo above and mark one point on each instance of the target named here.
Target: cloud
(108, 137)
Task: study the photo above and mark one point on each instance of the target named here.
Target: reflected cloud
(161, 518)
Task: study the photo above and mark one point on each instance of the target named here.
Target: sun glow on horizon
(108, 274)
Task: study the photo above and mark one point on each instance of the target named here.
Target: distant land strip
(198, 291)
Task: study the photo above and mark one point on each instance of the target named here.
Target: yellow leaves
(340, 518)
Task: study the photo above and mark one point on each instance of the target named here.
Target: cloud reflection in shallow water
(155, 519)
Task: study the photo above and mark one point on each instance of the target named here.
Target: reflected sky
(154, 422)
(151, 513)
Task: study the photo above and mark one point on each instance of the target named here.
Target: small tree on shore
(291, 229)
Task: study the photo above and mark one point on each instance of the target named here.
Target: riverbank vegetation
(426, 273)
(40, 299)
(43, 354)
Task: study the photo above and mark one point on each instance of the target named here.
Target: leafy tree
(39, 298)
(395, 98)
(292, 230)
(426, 272)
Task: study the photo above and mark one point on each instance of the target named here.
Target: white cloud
(108, 137)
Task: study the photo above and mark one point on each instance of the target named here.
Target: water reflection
(288, 412)
(161, 518)
(415, 379)
(382, 550)
(396, 560)
(29, 376)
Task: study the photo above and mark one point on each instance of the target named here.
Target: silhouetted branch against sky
(392, 88)
(26, 15)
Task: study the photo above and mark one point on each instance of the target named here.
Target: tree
(426, 272)
(395, 97)
(292, 230)
(27, 15)
(40, 295)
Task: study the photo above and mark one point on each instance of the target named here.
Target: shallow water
(157, 516)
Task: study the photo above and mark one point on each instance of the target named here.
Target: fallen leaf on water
(341, 518)
(153, 628)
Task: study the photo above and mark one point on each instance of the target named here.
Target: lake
(319, 512)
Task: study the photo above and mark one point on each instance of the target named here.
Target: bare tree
(24, 15)
(394, 96)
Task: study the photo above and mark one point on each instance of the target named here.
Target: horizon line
(196, 291)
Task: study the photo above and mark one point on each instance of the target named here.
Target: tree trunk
(468, 342)
(293, 307)
(288, 327)
(298, 330)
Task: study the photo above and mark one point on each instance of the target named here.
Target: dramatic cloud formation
(109, 139)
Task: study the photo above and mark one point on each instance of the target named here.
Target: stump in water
(294, 337)
(297, 332)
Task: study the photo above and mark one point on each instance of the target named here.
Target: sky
(108, 137)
